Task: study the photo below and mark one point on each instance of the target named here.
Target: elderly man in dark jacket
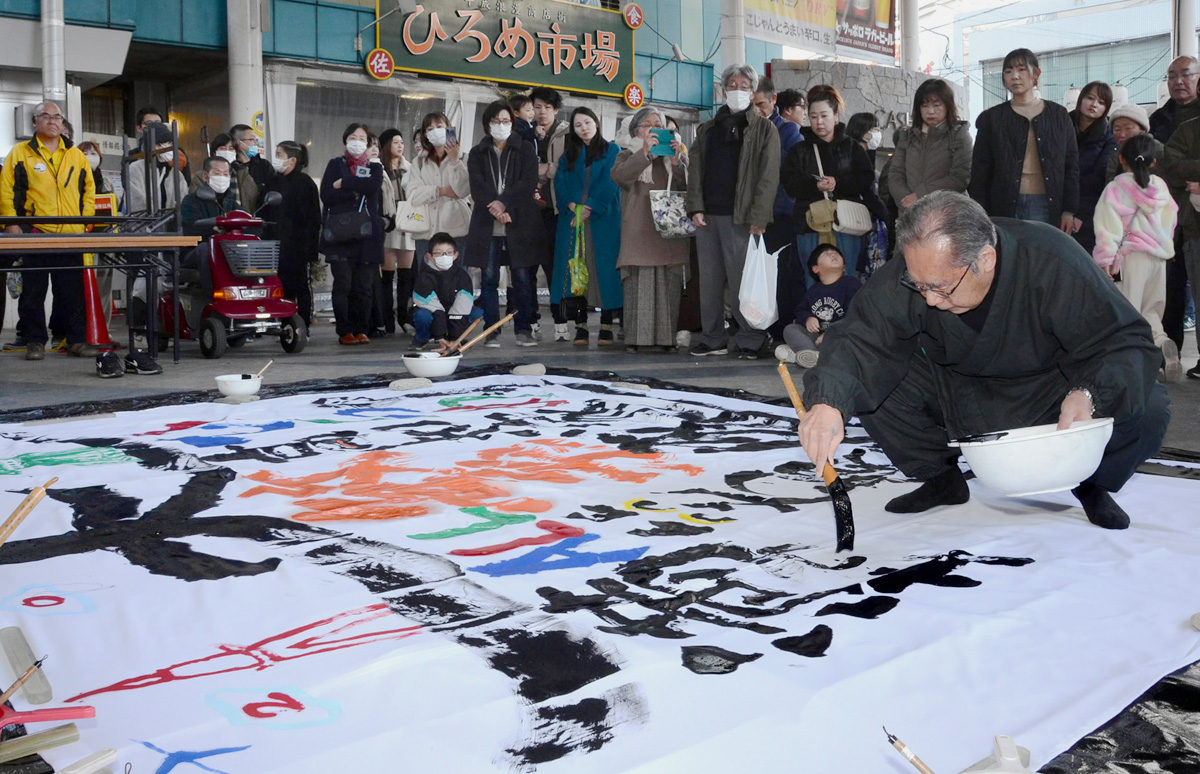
(984, 327)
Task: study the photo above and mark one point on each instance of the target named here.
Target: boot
(405, 279)
(388, 301)
(946, 488)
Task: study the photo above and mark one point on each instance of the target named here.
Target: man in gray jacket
(732, 180)
(982, 327)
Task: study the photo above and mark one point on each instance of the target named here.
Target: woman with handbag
(589, 237)
(352, 233)
(829, 175)
(295, 222)
(651, 266)
(438, 185)
(398, 245)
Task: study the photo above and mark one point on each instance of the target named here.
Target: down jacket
(1132, 219)
(28, 185)
(937, 160)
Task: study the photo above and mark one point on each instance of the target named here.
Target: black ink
(671, 529)
(871, 607)
(811, 645)
(711, 660)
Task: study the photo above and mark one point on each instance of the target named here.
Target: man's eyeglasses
(59, 117)
(450, 254)
(926, 290)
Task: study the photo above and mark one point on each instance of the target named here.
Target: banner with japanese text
(805, 24)
(529, 42)
(866, 29)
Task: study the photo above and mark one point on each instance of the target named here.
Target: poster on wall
(529, 42)
(809, 26)
(866, 29)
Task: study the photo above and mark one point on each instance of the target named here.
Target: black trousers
(909, 426)
(294, 278)
(1174, 309)
(68, 298)
(353, 295)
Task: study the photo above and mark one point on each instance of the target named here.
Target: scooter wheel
(212, 339)
(294, 336)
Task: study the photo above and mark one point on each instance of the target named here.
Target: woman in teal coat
(585, 190)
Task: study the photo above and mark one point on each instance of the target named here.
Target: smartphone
(451, 134)
(665, 137)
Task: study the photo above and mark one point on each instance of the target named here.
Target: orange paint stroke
(556, 531)
(522, 505)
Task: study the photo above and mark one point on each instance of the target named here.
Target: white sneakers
(562, 332)
(1172, 367)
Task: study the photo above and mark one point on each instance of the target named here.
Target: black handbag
(342, 227)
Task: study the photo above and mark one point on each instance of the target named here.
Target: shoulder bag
(669, 210)
(853, 218)
(352, 226)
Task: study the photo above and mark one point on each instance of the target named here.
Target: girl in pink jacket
(1134, 221)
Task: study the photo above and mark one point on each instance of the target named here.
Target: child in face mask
(443, 296)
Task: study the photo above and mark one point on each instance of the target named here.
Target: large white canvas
(309, 653)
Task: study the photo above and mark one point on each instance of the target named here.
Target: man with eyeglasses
(981, 327)
(49, 176)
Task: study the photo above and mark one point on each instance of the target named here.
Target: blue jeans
(522, 280)
(850, 246)
(423, 322)
(1034, 207)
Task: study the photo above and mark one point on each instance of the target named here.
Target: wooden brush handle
(27, 505)
(458, 342)
(486, 332)
(829, 474)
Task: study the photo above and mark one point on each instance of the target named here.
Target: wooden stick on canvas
(484, 335)
(28, 504)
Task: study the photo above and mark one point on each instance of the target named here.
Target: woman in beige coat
(651, 267)
(935, 153)
(438, 183)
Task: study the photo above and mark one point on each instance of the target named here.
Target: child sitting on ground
(826, 302)
(1134, 220)
(443, 296)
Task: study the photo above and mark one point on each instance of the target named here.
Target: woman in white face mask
(295, 222)
(437, 186)
(398, 274)
(352, 233)
(732, 180)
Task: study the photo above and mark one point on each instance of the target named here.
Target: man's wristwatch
(1088, 393)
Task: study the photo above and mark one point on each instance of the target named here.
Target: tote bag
(669, 211)
(352, 226)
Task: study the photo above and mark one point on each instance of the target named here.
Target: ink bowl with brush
(239, 385)
(430, 364)
(1037, 460)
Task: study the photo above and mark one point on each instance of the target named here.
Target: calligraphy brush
(31, 500)
(450, 350)
(908, 754)
(22, 680)
(843, 515)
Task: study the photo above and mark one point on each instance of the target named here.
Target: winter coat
(937, 160)
(758, 171)
(789, 137)
(193, 209)
(518, 167)
(396, 239)
(421, 186)
(1181, 164)
(1096, 147)
(1132, 219)
(604, 197)
(445, 294)
(1171, 116)
(842, 158)
(355, 186)
(641, 244)
(999, 154)
(173, 190)
(28, 185)
(1056, 322)
(553, 145)
(296, 220)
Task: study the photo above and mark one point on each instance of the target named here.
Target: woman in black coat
(350, 183)
(506, 226)
(1094, 137)
(295, 222)
(1025, 163)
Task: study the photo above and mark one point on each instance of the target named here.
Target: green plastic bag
(577, 264)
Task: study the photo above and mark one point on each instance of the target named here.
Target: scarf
(356, 161)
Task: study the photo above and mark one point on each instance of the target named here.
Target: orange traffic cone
(97, 330)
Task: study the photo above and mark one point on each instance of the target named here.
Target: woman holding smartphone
(439, 183)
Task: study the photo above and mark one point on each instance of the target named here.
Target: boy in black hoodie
(443, 296)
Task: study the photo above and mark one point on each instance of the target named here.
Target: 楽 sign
(530, 42)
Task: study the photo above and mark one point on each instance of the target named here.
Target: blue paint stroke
(538, 560)
(183, 756)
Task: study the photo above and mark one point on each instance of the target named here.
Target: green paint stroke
(105, 456)
(491, 520)
(460, 400)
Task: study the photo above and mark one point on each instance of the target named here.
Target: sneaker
(1172, 368)
(581, 336)
(807, 358)
(35, 351)
(526, 340)
(418, 345)
(493, 341)
(535, 331)
(108, 365)
(82, 349)
(785, 354)
(1194, 373)
(605, 338)
(748, 354)
(703, 350)
(562, 332)
(1189, 323)
(139, 361)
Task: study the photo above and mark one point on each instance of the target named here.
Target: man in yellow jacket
(49, 176)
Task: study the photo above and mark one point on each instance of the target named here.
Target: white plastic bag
(756, 298)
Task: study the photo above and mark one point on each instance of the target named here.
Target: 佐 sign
(379, 64)
(532, 42)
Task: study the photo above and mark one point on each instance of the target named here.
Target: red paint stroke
(43, 601)
(557, 531)
(324, 636)
(360, 489)
(261, 709)
(172, 427)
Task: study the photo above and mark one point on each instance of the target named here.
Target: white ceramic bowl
(234, 385)
(1036, 460)
(430, 364)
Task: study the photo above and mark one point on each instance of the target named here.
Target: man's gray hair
(951, 218)
(739, 69)
(641, 116)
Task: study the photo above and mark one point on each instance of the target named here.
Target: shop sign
(867, 30)
(379, 64)
(862, 29)
(564, 45)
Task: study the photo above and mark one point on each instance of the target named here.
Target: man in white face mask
(168, 182)
(732, 182)
(215, 176)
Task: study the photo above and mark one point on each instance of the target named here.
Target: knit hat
(1134, 112)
